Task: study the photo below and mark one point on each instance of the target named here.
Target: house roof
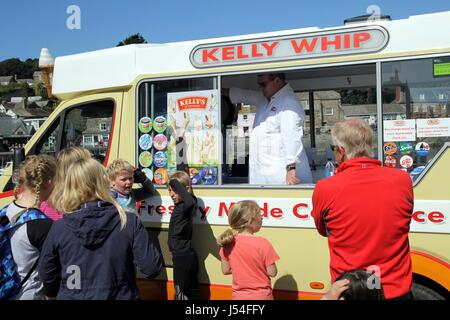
(10, 127)
(6, 78)
(371, 109)
(24, 80)
(33, 110)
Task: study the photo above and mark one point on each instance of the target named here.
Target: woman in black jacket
(92, 252)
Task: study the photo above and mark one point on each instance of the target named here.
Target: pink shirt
(249, 256)
(50, 211)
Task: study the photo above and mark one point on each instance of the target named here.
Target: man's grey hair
(355, 136)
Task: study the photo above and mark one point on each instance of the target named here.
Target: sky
(31, 25)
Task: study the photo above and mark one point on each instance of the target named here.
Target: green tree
(14, 66)
(135, 38)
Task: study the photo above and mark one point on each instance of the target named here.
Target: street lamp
(46, 64)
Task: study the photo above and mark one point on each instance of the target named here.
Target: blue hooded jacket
(88, 256)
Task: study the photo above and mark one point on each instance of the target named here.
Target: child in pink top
(250, 259)
(49, 211)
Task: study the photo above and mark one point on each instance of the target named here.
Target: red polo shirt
(365, 211)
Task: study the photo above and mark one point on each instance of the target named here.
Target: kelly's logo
(192, 103)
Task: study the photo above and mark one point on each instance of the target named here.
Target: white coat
(276, 137)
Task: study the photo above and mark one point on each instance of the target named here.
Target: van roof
(120, 66)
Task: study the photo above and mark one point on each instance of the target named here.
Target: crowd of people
(72, 231)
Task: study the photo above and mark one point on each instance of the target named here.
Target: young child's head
(86, 181)
(120, 174)
(243, 216)
(183, 178)
(363, 285)
(66, 157)
(36, 174)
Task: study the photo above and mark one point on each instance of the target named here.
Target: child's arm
(186, 197)
(147, 189)
(226, 268)
(272, 270)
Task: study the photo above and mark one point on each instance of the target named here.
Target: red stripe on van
(111, 134)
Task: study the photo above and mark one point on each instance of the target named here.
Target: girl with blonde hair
(249, 258)
(53, 207)
(26, 226)
(97, 238)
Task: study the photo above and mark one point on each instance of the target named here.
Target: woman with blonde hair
(91, 252)
(53, 207)
(250, 259)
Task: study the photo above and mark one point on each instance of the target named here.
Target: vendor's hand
(291, 178)
(336, 289)
(139, 176)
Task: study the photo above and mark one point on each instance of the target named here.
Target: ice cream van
(126, 102)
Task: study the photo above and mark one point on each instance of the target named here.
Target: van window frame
(61, 117)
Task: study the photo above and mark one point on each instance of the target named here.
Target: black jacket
(90, 246)
(180, 226)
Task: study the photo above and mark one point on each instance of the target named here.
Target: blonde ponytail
(240, 217)
(226, 237)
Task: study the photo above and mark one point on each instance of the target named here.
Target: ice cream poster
(194, 115)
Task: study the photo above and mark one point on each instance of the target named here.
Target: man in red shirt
(365, 211)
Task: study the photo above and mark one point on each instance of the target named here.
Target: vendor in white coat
(277, 155)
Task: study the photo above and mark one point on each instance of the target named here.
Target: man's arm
(319, 212)
(291, 127)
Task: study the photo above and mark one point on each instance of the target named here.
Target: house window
(329, 111)
(87, 140)
(103, 126)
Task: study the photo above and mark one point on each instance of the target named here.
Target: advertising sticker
(145, 159)
(145, 125)
(195, 114)
(160, 141)
(406, 161)
(390, 162)
(422, 148)
(145, 141)
(406, 147)
(390, 148)
(149, 173)
(161, 176)
(159, 124)
(160, 159)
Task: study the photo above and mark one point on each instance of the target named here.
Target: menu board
(194, 116)
(399, 130)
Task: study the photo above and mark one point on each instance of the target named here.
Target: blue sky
(31, 25)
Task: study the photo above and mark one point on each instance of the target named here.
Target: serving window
(416, 116)
(215, 132)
